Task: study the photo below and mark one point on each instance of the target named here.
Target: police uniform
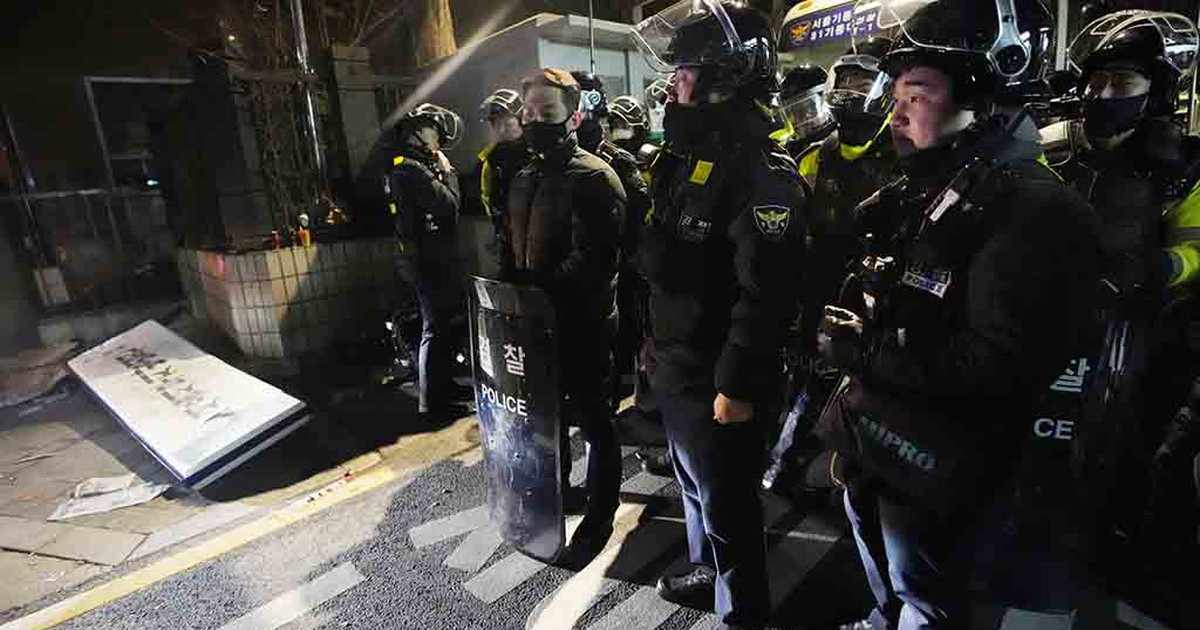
(499, 163)
(630, 289)
(723, 254)
(424, 207)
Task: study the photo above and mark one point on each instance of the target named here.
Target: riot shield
(513, 353)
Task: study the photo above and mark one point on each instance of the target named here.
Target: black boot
(693, 589)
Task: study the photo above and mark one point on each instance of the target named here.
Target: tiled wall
(288, 302)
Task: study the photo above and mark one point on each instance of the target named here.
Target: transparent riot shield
(513, 350)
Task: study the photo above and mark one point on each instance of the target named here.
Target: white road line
(434, 532)
(645, 484)
(473, 552)
(634, 546)
(644, 610)
(789, 561)
(299, 601)
(707, 622)
(1018, 619)
(1131, 616)
(502, 577)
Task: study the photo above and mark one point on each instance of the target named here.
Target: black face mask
(687, 127)
(856, 128)
(590, 134)
(1107, 117)
(544, 137)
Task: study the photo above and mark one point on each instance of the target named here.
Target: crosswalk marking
(708, 622)
(788, 562)
(299, 601)
(646, 484)
(1129, 615)
(473, 552)
(1017, 619)
(644, 610)
(631, 549)
(502, 577)
(446, 528)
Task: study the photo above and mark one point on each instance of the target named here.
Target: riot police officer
(424, 194)
(844, 169)
(562, 233)
(506, 154)
(627, 124)
(803, 99)
(977, 299)
(723, 254)
(1140, 172)
(591, 132)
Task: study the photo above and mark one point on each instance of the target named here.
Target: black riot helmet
(447, 123)
(502, 102)
(731, 44)
(628, 111)
(592, 100)
(988, 47)
(852, 78)
(802, 96)
(1162, 45)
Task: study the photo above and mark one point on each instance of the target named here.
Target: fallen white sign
(198, 415)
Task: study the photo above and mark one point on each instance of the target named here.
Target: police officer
(723, 253)
(562, 233)
(627, 124)
(506, 154)
(844, 169)
(805, 108)
(1140, 172)
(977, 300)
(424, 194)
(591, 133)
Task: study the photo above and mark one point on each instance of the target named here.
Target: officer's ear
(574, 121)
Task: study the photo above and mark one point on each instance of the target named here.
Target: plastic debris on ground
(105, 494)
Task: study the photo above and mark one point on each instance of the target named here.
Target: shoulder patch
(772, 221)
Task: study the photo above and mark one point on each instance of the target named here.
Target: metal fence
(95, 248)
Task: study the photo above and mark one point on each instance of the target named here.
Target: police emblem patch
(772, 221)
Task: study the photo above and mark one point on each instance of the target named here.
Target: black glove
(841, 340)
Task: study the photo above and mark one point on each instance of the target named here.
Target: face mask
(1107, 117)
(856, 128)
(590, 134)
(545, 137)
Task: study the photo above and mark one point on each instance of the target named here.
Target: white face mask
(622, 134)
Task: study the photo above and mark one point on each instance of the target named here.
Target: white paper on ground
(103, 485)
(81, 505)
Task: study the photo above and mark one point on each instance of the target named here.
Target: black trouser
(439, 290)
(631, 307)
(584, 364)
(718, 468)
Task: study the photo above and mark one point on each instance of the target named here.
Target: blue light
(152, 182)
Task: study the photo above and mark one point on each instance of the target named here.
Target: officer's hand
(840, 338)
(729, 411)
(443, 162)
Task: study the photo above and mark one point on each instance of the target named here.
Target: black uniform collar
(727, 126)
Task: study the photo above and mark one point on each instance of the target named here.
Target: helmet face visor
(683, 34)
(449, 124)
(808, 112)
(980, 27)
(1169, 36)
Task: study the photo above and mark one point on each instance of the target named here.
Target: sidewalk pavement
(51, 444)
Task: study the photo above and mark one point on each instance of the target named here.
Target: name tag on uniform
(693, 229)
(933, 281)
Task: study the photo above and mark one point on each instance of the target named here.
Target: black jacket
(636, 193)
(424, 203)
(723, 252)
(562, 232)
(989, 300)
